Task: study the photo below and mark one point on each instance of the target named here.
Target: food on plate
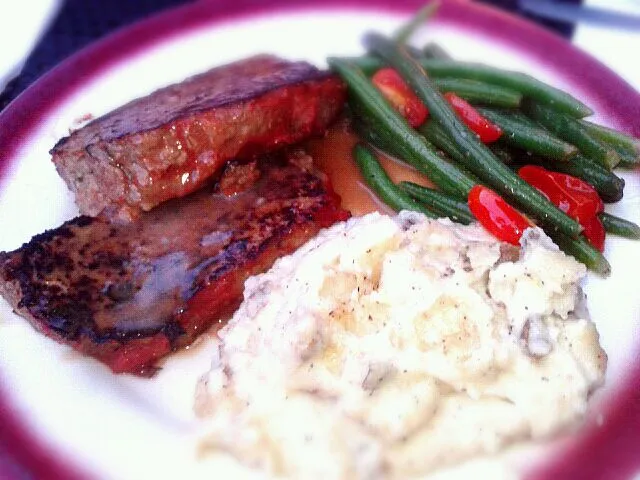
(387, 347)
(130, 293)
(400, 95)
(497, 216)
(517, 81)
(457, 181)
(405, 103)
(384, 347)
(136, 292)
(486, 131)
(570, 129)
(170, 143)
(520, 132)
(572, 195)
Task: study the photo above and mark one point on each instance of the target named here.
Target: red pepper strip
(488, 131)
(572, 195)
(497, 216)
(400, 95)
(594, 232)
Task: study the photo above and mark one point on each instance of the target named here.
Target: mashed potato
(388, 347)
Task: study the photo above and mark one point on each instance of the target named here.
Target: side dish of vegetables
(501, 147)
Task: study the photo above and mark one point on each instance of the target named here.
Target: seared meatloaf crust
(130, 293)
(167, 145)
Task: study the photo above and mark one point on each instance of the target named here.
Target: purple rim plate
(600, 452)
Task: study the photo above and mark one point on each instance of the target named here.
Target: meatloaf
(168, 144)
(128, 293)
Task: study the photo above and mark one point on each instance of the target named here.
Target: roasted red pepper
(497, 216)
(487, 131)
(572, 195)
(400, 95)
(594, 232)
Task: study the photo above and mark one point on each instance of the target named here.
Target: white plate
(130, 428)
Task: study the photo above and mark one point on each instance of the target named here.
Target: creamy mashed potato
(388, 347)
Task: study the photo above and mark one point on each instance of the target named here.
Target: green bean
(579, 248)
(627, 147)
(609, 186)
(522, 118)
(502, 151)
(628, 158)
(440, 203)
(394, 128)
(434, 134)
(433, 50)
(416, 52)
(531, 138)
(477, 157)
(570, 130)
(422, 16)
(471, 90)
(520, 82)
(381, 184)
(620, 226)
(373, 136)
(363, 127)
(582, 251)
(480, 93)
(366, 130)
(612, 137)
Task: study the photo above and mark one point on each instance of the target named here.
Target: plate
(66, 416)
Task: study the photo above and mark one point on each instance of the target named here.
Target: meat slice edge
(168, 144)
(130, 293)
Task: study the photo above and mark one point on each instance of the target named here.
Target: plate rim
(620, 103)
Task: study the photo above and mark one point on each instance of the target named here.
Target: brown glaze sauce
(333, 154)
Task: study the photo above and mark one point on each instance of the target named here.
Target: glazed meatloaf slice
(130, 293)
(168, 144)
